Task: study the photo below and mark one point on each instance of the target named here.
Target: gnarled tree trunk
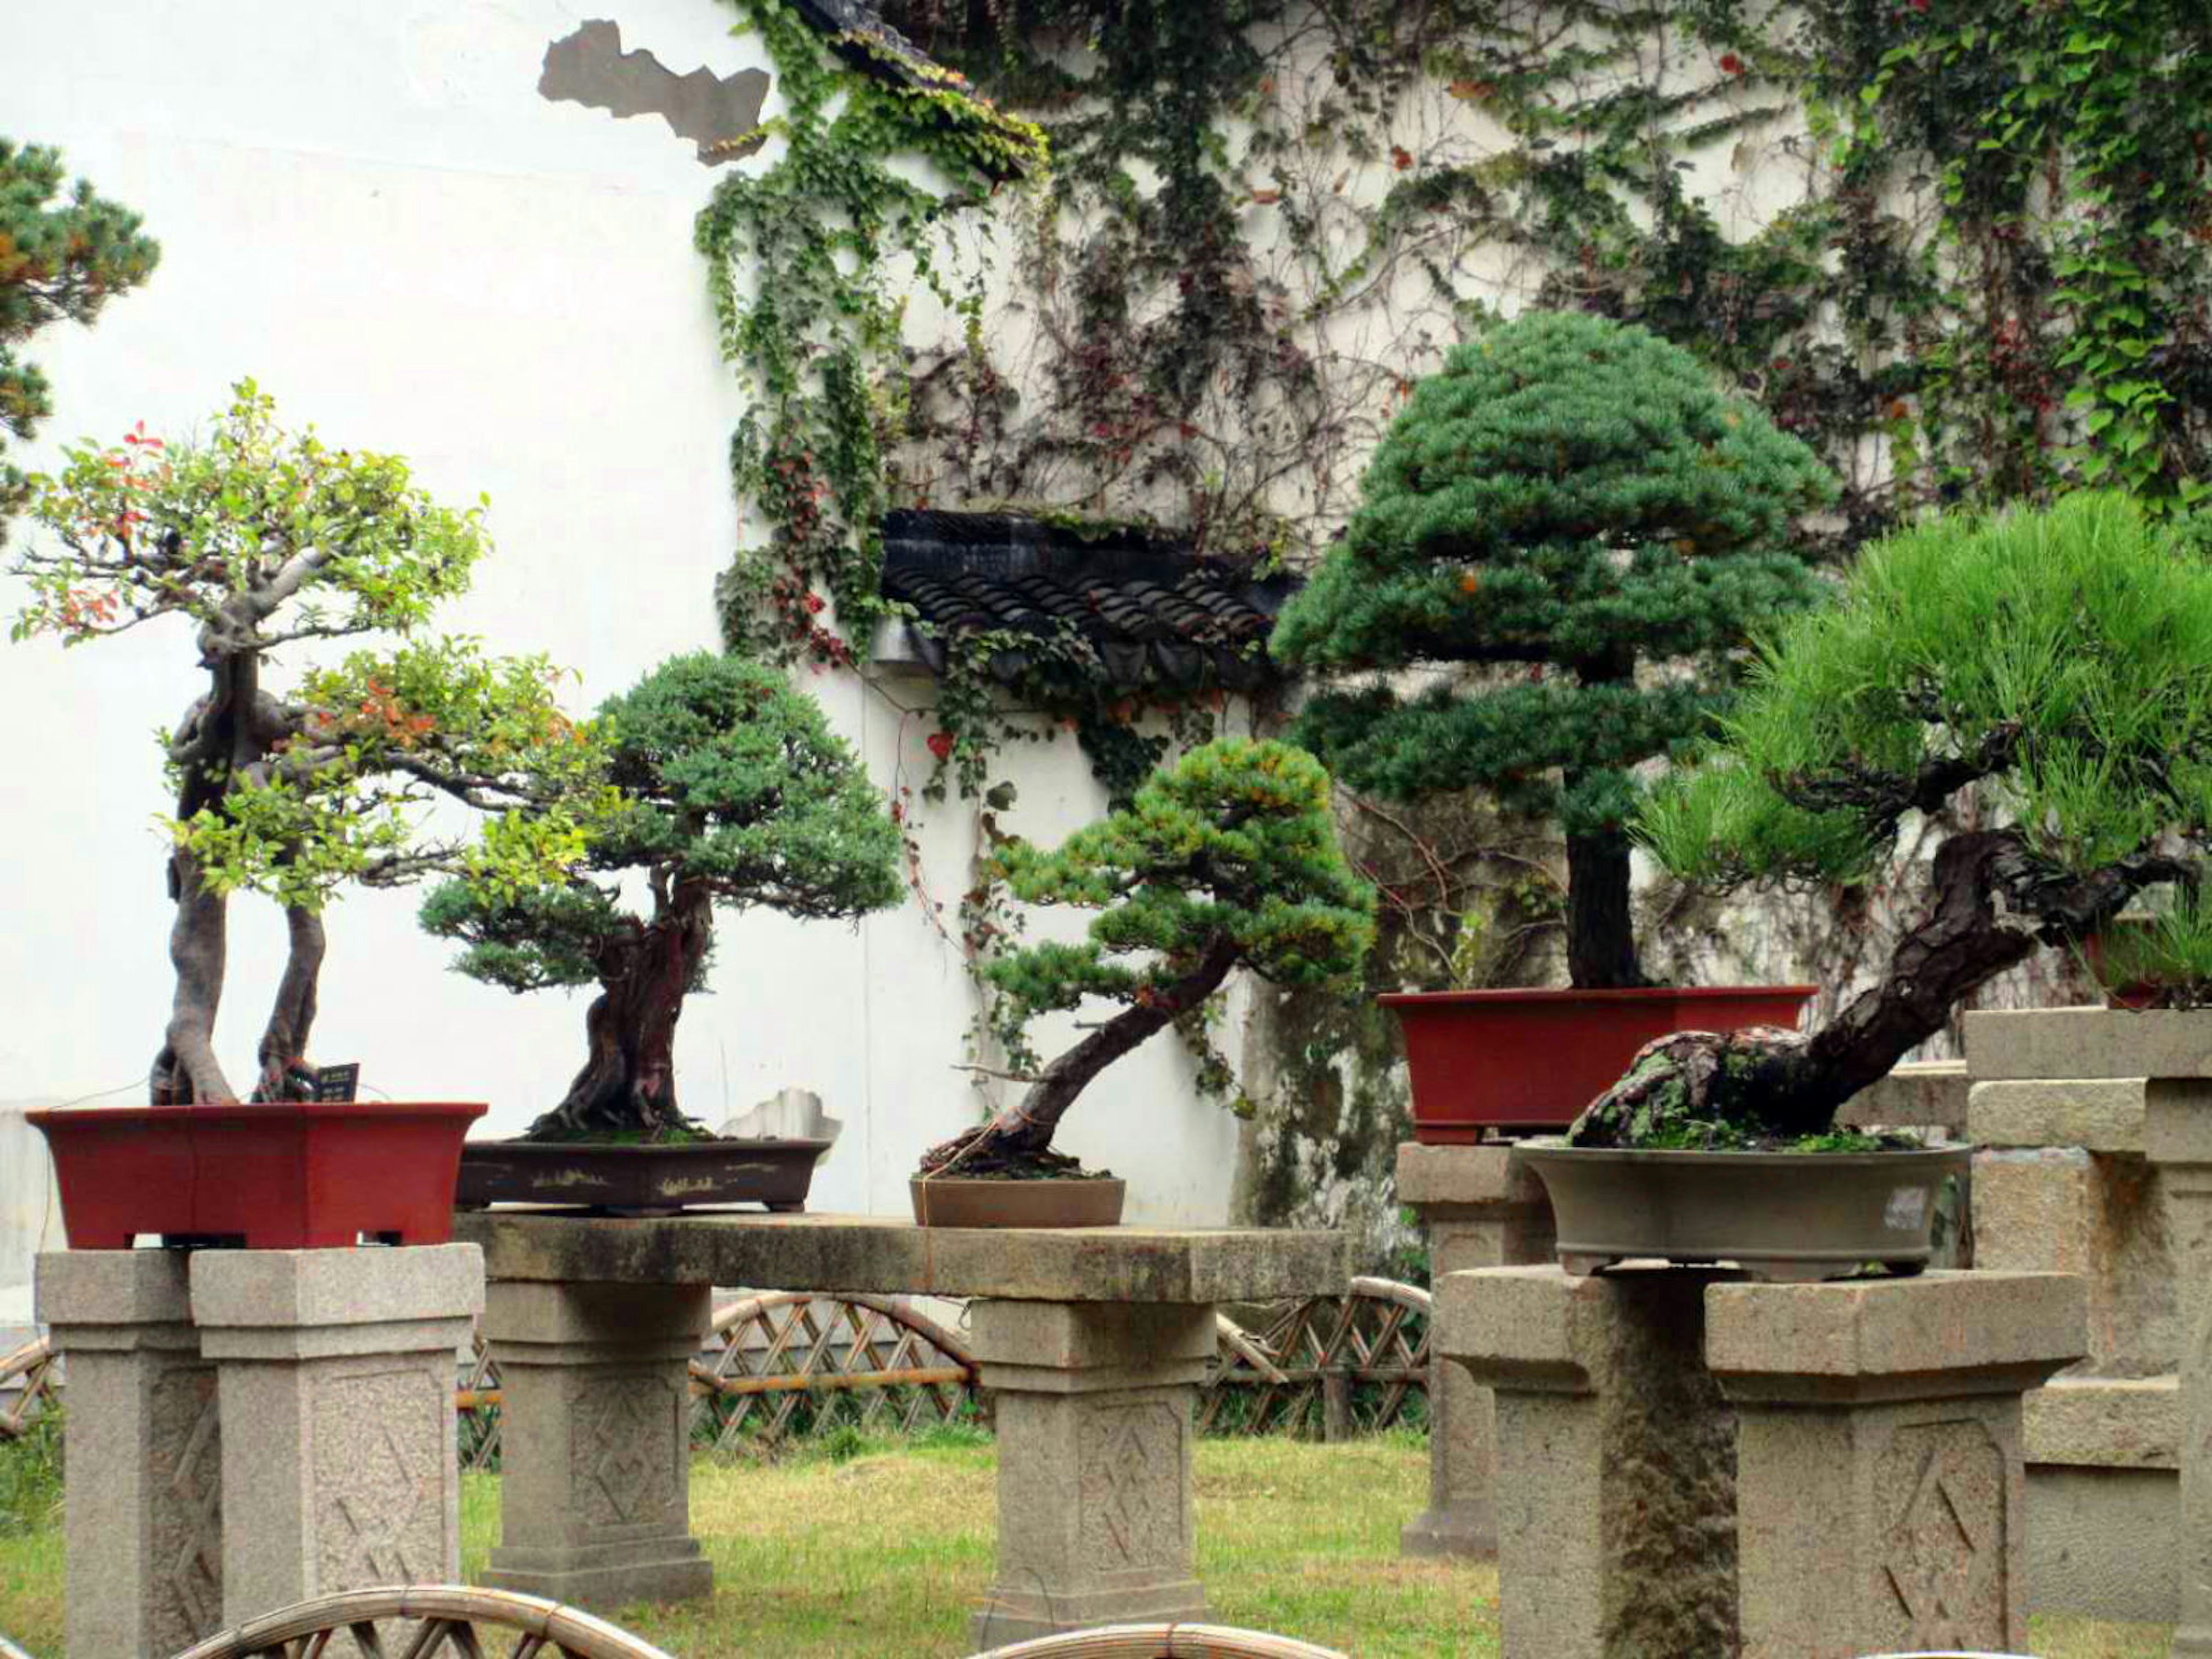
(285, 1073)
(628, 1084)
(1601, 926)
(1993, 906)
(1019, 1138)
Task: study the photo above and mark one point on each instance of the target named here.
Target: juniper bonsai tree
(58, 260)
(264, 540)
(1568, 505)
(2060, 660)
(1228, 860)
(733, 793)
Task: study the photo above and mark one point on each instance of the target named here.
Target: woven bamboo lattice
(29, 1383)
(786, 1360)
(1325, 1366)
(425, 1621)
(1163, 1642)
(784, 1363)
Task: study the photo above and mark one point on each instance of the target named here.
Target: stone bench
(1092, 1341)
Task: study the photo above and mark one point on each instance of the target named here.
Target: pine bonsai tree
(263, 539)
(56, 262)
(734, 793)
(2061, 660)
(1569, 504)
(1228, 860)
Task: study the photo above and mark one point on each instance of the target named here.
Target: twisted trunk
(1993, 906)
(626, 1087)
(1019, 1138)
(1601, 926)
(285, 1072)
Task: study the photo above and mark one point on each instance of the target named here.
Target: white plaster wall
(30, 1214)
(368, 208)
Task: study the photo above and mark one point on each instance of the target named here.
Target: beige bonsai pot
(1060, 1201)
(1776, 1215)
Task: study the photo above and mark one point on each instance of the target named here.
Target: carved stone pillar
(336, 1374)
(1094, 1405)
(595, 1440)
(2178, 1135)
(143, 1509)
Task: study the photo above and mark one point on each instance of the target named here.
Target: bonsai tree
(2061, 661)
(1227, 860)
(733, 793)
(58, 260)
(264, 540)
(1568, 504)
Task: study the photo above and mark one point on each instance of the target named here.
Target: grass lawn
(879, 1554)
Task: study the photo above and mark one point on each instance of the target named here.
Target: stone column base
(1881, 1501)
(595, 1441)
(142, 1513)
(335, 1373)
(1095, 1523)
(2104, 1498)
(1482, 1209)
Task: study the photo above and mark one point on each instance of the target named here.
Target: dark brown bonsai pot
(1047, 1201)
(1792, 1215)
(642, 1178)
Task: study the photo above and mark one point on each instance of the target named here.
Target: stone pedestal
(595, 1442)
(143, 1515)
(2177, 1134)
(335, 1373)
(1880, 1490)
(1095, 1523)
(1616, 1459)
(1480, 1210)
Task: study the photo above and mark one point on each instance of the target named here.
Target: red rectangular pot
(1533, 1060)
(280, 1175)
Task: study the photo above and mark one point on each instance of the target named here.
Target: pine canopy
(1569, 497)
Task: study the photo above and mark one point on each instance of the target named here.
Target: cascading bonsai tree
(265, 540)
(1228, 860)
(2060, 660)
(1573, 506)
(733, 793)
(58, 261)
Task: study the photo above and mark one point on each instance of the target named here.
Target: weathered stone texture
(1095, 1519)
(336, 1380)
(142, 1517)
(2088, 1042)
(1929, 1094)
(1880, 1483)
(1615, 1488)
(2100, 1115)
(2104, 1543)
(2177, 1134)
(2102, 1216)
(1481, 1209)
(595, 1441)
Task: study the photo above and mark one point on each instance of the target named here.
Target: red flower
(1734, 64)
(940, 744)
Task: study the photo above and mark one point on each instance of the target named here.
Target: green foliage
(31, 1476)
(59, 260)
(264, 537)
(1569, 498)
(2067, 652)
(728, 784)
(1232, 849)
(796, 270)
(2163, 959)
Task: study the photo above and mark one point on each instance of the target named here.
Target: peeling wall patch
(716, 113)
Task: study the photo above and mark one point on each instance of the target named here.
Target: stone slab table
(142, 1511)
(1092, 1341)
(1690, 1463)
(1481, 1209)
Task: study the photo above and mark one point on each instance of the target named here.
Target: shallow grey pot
(645, 1180)
(1777, 1215)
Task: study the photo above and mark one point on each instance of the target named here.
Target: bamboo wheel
(1163, 1642)
(1331, 1364)
(30, 1382)
(425, 1621)
(864, 1358)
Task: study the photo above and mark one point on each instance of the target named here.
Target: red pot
(1533, 1060)
(283, 1176)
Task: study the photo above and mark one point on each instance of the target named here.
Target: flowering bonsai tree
(2061, 661)
(57, 261)
(1568, 503)
(264, 540)
(1229, 859)
(733, 793)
